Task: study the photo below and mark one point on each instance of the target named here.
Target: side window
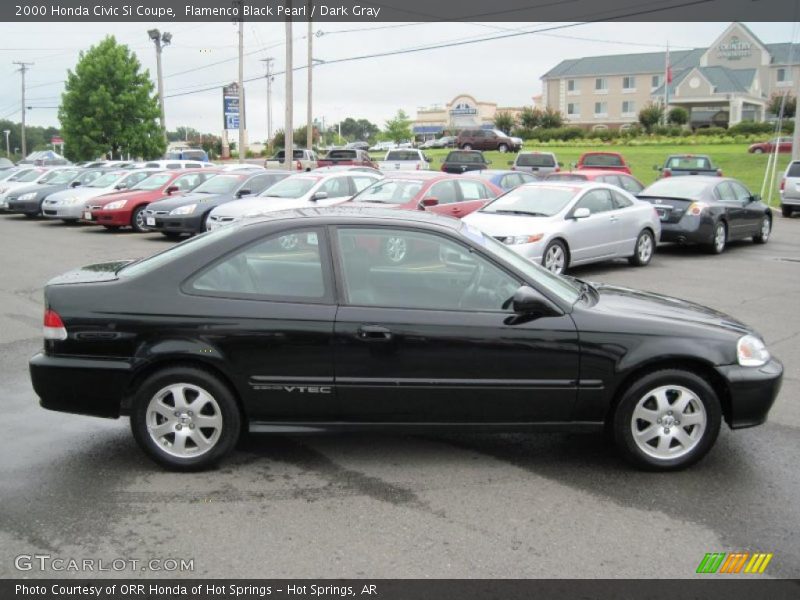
(185, 183)
(384, 267)
(259, 183)
(610, 179)
(597, 201)
(286, 266)
(134, 178)
(724, 192)
(509, 182)
(336, 187)
(526, 177)
(629, 184)
(360, 182)
(473, 190)
(174, 166)
(740, 192)
(621, 201)
(444, 191)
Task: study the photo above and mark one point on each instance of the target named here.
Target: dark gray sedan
(708, 210)
(28, 200)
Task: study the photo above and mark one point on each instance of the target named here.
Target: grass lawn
(733, 159)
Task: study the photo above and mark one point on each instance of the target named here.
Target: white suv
(790, 189)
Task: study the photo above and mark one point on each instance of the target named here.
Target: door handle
(374, 333)
(613, 219)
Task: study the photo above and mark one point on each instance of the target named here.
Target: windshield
(60, 176)
(221, 184)
(153, 182)
(291, 187)
(532, 200)
(535, 160)
(602, 160)
(26, 176)
(106, 180)
(559, 286)
(677, 187)
(340, 154)
(688, 162)
(391, 191)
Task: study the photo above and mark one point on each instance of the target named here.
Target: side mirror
(755, 198)
(244, 192)
(319, 196)
(75, 184)
(529, 302)
(581, 213)
(427, 202)
(119, 186)
(171, 189)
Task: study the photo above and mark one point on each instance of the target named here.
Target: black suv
(486, 139)
(460, 161)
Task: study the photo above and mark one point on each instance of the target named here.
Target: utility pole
(796, 133)
(268, 64)
(8, 148)
(310, 115)
(288, 131)
(23, 67)
(160, 40)
(242, 120)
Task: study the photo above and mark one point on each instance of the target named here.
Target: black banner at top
(397, 10)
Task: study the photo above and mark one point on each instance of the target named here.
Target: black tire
(112, 227)
(717, 245)
(30, 215)
(684, 456)
(171, 235)
(556, 248)
(764, 231)
(786, 211)
(197, 377)
(137, 219)
(466, 147)
(502, 148)
(641, 256)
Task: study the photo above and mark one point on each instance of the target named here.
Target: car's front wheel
(667, 420)
(138, 222)
(762, 237)
(185, 418)
(466, 147)
(758, 151)
(502, 148)
(644, 250)
(555, 258)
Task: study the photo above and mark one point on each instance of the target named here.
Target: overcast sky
(504, 71)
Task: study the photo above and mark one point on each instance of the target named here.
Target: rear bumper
(752, 392)
(79, 385)
(690, 230)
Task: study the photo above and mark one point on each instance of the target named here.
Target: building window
(781, 75)
(655, 81)
(628, 107)
(573, 109)
(571, 85)
(601, 109)
(629, 84)
(601, 85)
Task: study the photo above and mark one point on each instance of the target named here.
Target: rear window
(343, 154)
(565, 177)
(465, 157)
(602, 160)
(535, 160)
(688, 162)
(794, 169)
(687, 188)
(402, 155)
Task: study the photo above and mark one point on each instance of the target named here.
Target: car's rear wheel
(644, 249)
(138, 223)
(786, 211)
(719, 239)
(502, 148)
(466, 147)
(762, 237)
(555, 258)
(185, 418)
(758, 151)
(667, 420)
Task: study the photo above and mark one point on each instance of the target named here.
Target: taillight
(417, 166)
(558, 169)
(719, 172)
(696, 208)
(783, 183)
(299, 166)
(53, 326)
(666, 173)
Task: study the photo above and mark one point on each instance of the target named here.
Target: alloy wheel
(720, 236)
(668, 422)
(554, 259)
(766, 229)
(644, 249)
(184, 420)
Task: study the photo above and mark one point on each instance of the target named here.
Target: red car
(784, 144)
(612, 161)
(347, 156)
(629, 183)
(452, 195)
(126, 209)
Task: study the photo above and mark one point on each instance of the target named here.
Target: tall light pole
(309, 113)
(8, 149)
(160, 40)
(23, 67)
(242, 117)
(288, 132)
(270, 78)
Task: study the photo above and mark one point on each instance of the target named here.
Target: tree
(678, 116)
(398, 129)
(530, 118)
(360, 129)
(109, 106)
(504, 121)
(789, 108)
(301, 136)
(551, 118)
(650, 116)
(183, 134)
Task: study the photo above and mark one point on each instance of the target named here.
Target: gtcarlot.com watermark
(59, 564)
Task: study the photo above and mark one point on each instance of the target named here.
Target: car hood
(80, 192)
(260, 204)
(40, 188)
(502, 225)
(91, 273)
(175, 201)
(626, 301)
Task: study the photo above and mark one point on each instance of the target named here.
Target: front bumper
(63, 211)
(178, 223)
(752, 392)
(112, 218)
(80, 385)
(31, 207)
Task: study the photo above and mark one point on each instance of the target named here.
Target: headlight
(513, 240)
(28, 196)
(184, 210)
(115, 205)
(751, 351)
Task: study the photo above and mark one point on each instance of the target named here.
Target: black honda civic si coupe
(299, 322)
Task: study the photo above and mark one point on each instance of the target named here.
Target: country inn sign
(729, 81)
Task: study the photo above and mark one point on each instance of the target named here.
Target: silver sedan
(567, 224)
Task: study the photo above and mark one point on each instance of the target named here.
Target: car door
(428, 340)
(473, 195)
(447, 195)
(733, 208)
(628, 224)
(753, 211)
(273, 305)
(337, 188)
(597, 236)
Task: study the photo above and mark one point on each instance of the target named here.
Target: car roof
(492, 172)
(416, 175)
(357, 214)
(589, 173)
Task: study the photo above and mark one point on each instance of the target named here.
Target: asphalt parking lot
(489, 506)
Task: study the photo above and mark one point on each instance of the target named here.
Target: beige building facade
(728, 82)
(462, 112)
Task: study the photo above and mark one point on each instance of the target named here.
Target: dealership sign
(463, 109)
(230, 106)
(734, 49)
